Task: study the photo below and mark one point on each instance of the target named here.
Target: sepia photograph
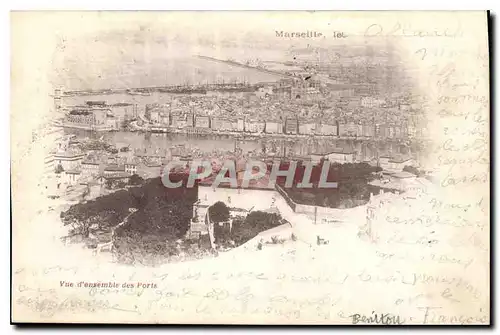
(250, 168)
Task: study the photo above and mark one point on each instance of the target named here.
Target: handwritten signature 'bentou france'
(377, 319)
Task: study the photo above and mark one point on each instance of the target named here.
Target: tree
(219, 212)
(411, 169)
(121, 184)
(86, 192)
(162, 216)
(59, 169)
(263, 220)
(109, 183)
(255, 222)
(135, 179)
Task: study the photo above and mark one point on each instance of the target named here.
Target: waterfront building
(370, 102)
(341, 93)
(123, 111)
(155, 116)
(368, 130)
(49, 163)
(176, 120)
(89, 168)
(100, 115)
(291, 126)
(114, 169)
(164, 118)
(404, 107)
(307, 128)
(71, 177)
(390, 132)
(217, 123)
(69, 159)
(283, 92)
(348, 129)
(190, 120)
(412, 130)
(181, 121)
(397, 132)
(383, 131)
(130, 168)
(117, 177)
(274, 127)
(230, 124)
(341, 156)
(81, 117)
(404, 130)
(112, 123)
(202, 121)
(241, 124)
(395, 163)
(89, 118)
(254, 126)
(359, 129)
(264, 92)
(327, 129)
(338, 155)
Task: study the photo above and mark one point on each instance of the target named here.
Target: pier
(233, 63)
(173, 89)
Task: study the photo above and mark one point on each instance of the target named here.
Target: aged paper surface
(396, 102)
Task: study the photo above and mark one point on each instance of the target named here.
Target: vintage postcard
(273, 168)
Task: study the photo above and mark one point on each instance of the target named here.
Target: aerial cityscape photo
(352, 105)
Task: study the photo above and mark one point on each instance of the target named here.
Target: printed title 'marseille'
(305, 34)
